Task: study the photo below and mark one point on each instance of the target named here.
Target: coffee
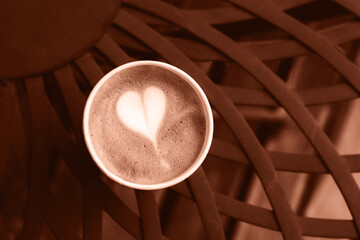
(147, 124)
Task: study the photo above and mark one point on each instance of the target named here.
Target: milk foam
(142, 114)
(158, 140)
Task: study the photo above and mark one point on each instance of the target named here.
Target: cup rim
(208, 137)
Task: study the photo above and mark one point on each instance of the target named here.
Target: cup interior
(208, 134)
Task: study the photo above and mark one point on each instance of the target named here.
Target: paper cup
(208, 133)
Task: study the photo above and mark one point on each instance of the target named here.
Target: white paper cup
(208, 134)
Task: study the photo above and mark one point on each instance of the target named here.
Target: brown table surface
(282, 78)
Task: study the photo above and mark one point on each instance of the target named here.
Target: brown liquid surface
(133, 156)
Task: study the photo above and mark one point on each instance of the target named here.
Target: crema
(146, 124)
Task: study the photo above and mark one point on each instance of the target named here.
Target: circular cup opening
(208, 135)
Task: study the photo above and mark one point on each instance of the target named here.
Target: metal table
(283, 81)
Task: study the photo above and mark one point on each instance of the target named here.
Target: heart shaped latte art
(142, 114)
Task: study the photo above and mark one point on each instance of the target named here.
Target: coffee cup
(148, 125)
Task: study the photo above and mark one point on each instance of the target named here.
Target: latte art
(142, 114)
(147, 125)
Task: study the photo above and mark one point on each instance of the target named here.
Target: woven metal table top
(282, 77)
